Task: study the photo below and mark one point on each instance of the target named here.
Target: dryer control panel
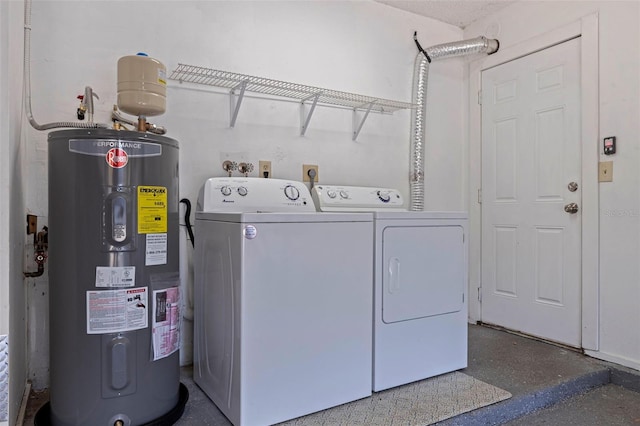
(339, 198)
(250, 194)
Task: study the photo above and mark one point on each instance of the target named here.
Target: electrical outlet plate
(605, 171)
(305, 172)
(264, 167)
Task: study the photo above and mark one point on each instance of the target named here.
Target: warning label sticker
(165, 328)
(115, 276)
(114, 311)
(156, 252)
(152, 209)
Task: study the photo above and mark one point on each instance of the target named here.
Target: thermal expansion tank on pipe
(114, 278)
(142, 85)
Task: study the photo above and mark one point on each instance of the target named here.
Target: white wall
(360, 47)
(356, 46)
(619, 209)
(12, 210)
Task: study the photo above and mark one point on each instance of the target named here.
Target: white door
(531, 154)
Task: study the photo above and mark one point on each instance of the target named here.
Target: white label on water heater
(165, 322)
(115, 311)
(156, 252)
(115, 276)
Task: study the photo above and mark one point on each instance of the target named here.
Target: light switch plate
(605, 171)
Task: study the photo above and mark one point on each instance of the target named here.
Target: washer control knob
(291, 192)
(331, 193)
(344, 194)
(242, 191)
(384, 196)
(226, 191)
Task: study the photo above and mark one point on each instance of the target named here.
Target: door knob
(571, 208)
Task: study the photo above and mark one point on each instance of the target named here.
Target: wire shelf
(303, 93)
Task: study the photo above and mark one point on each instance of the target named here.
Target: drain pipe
(420, 78)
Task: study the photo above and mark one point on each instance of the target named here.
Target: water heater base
(43, 416)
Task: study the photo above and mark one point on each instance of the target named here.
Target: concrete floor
(610, 405)
(550, 386)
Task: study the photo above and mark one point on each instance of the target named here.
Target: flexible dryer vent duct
(420, 78)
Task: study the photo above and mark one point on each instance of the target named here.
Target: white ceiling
(455, 12)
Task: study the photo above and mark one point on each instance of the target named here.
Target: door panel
(530, 152)
(422, 275)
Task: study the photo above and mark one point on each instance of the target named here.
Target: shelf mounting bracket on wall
(358, 126)
(235, 104)
(306, 118)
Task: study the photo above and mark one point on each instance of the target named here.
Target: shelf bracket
(358, 126)
(306, 118)
(235, 104)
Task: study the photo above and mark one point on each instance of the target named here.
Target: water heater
(114, 279)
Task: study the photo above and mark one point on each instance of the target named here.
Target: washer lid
(283, 217)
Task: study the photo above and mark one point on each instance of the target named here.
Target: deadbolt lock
(571, 208)
(573, 186)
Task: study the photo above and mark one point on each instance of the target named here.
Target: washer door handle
(394, 275)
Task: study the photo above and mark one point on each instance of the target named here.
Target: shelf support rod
(358, 126)
(306, 118)
(235, 105)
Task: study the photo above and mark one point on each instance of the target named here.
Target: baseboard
(627, 362)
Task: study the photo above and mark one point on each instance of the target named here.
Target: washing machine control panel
(250, 194)
(337, 198)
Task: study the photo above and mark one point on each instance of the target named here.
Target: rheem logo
(117, 158)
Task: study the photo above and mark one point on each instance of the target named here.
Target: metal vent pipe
(420, 79)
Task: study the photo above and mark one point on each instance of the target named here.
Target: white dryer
(283, 303)
(420, 284)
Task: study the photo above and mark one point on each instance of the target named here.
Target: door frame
(587, 29)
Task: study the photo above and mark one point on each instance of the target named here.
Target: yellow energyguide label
(152, 209)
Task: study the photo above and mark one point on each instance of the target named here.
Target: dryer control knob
(384, 196)
(344, 194)
(242, 191)
(291, 192)
(226, 191)
(331, 193)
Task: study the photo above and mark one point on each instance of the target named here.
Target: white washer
(283, 303)
(420, 284)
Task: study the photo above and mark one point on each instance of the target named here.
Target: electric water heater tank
(114, 300)
(142, 85)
